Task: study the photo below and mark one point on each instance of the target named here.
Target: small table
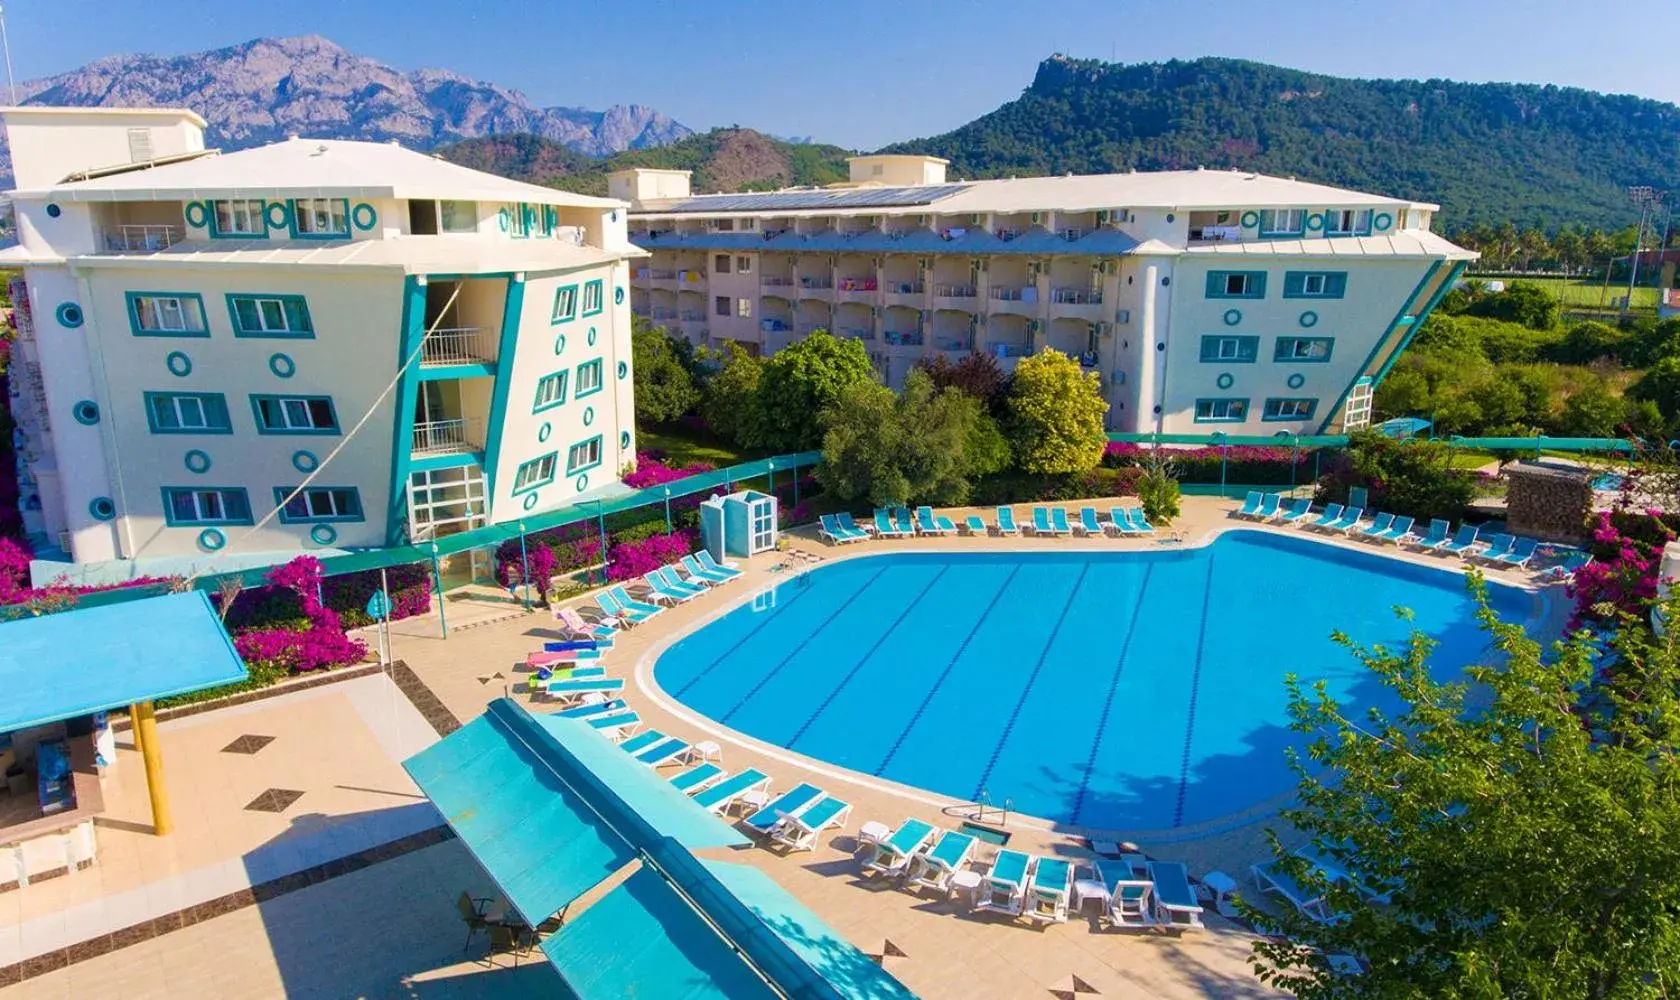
(1222, 885)
(968, 883)
(757, 798)
(873, 832)
(705, 750)
(1086, 889)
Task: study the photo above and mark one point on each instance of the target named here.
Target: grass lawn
(1591, 294)
(685, 447)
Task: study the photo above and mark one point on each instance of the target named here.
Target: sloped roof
(464, 254)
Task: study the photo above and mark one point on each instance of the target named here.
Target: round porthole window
(282, 366)
(1315, 222)
(277, 215)
(1250, 219)
(53, 211)
(211, 540)
(1166, 281)
(323, 534)
(305, 461)
(1309, 318)
(1297, 380)
(1382, 222)
(543, 432)
(591, 336)
(1169, 217)
(560, 344)
(582, 482)
(1157, 409)
(588, 415)
(529, 501)
(86, 412)
(623, 369)
(624, 439)
(102, 508)
(618, 296)
(1161, 346)
(364, 216)
(1233, 317)
(197, 461)
(1225, 380)
(69, 315)
(178, 364)
(197, 215)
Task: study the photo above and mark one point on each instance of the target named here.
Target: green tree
(1533, 246)
(1403, 478)
(800, 381)
(976, 374)
(1649, 343)
(1585, 343)
(730, 403)
(1521, 302)
(1502, 835)
(916, 447)
(1404, 393)
(1660, 385)
(1571, 250)
(1593, 411)
(1055, 415)
(663, 368)
(1600, 248)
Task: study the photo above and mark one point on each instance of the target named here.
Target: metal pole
(1223, 454)
(1633, 266)
(601, 525)
(385, 623)
(437, 588)
(1293, 462)
(11, 84)
(667, 510)
(145, 725)
(524, 569)
(796, 486)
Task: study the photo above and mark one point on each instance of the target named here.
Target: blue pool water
(1113, 690)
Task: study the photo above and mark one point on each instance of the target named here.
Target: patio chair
(1006, 521)
(1089, 526)
(1301, 509)
(1251, 505)
(1004, 886)
(1052, 883)
(1059, 520)
(1175, 901)
(1331, 514)
(892, 855)
(698, 571)
(801, 832)
(697, 777)
(706, 560)
(721, 797)
(929, 523)
(1130, 898)
(1350, 517)
(1436, 537)
(474, 912)
(789, 803)
(934, 868)
(976, 527)
(1397, 531)
(1378, 525)
(1463, 542)
(830, 529)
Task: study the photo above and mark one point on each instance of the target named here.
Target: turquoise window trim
(197, 220)
(257, 399)
(131, 302)
(557, 317)
(298, 234)
(1296, 231)
(86, 412)
(600, 455)
(1455, 272)
(216, 230)
(1382, 222)
(578, 391)
(102, 509)
(560, 399)
(598, 288)
(1283, 351)
(1357, 230)
(172, 521)
(537, 484)
(364, 216)
(282, 492)
(408, 388)
(1217, 282)
(458, 460)
(69, 315)
(1297, 380)
(1295, 283)
(209, 403)
(1267, 417)
(323, 534)
(1248, 349)
(1197, 412)
(178, 363)
(196, 461)
(284, 300)
(513, 308)
(211, 540)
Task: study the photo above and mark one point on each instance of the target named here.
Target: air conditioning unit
(1122, 316)
(1105, 330)
(1032, 326)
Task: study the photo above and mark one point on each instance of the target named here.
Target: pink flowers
(628, 560)
(651, 470)
(1627, 550)
(322, 644)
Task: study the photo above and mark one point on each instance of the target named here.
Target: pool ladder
(985, 803)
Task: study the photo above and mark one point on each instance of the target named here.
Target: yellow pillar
(146, 739)
(134, 728)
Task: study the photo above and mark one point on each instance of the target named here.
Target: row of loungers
(1042, 889)
(1467, 543)
(1046, 522)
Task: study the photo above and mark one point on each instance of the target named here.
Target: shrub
(1249, 465)
(1055, 415)
(1622, 578)
(1403, 478)
(652, 471)
(628, 560)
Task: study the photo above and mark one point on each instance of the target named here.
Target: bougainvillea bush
(652, 470)
(16, 592)
(1622, 577)
(317, 643)
(628, 560)
(1250, 465)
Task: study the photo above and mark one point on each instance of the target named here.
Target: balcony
(1215, 234)
(638, 274)
(662, 313)
(691, 280)
(693, 316)
(140, 239)
(857, 290)
(446, 437)
(954, 297)
(905, 293)
(813, 286)
(958, 344)
(904, 338)
(467, 345)
(856, 332)
(1076, 303)
(1015, 300)
(661, 277)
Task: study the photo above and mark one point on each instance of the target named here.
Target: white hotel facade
(1204, 300)
(199, 333)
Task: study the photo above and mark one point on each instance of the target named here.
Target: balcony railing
(806, 329)
(569, 234)
(141, 239)
(905, 288)
(963, 343)
(638, 273)
(1076, 296)
(954, 291)
(1004, 293)
(693, 316)
(1008, 349)
(815, 281)
(775, 281)
(659, 274)
(857, 284)
(904, 338)
(664, 314)
(466, 345)
(1215, 234)
(857, 332)
(446, 437)
(775, 326)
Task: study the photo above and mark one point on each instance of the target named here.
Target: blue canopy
(74, 663)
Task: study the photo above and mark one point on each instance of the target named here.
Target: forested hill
(1491, 152)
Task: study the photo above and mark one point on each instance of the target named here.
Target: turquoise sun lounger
(1141, 523)
(1052, 883)
(1005, 885)
(1301, 509)
(929, 523)
(801, 831)
(573, 688)
(638, 610)
(1436, 537)
(947, 856)
(1041, 521)
(1350, 517)
(619, 722)
(976, 527)
(884, 528)
(696, 778)
(1499, 546)
(675, 581)
(1088, 523)
(1401, 527)
(1268, 507)
(1059, 519)
(588, 711)
(906, 523)
(665, 592)
(664, 752)
(892, 856)
(1175, 901)
(1251, 505)
(1462, 542)
(1324, 520)
(789, 803)
(700, 572)
(829, 528)
(721, 796)
(844, 519)
(1377, 526)
(1006, 521)
(636, 744)
(707, 561)
(1521, 554)
(1123, 524)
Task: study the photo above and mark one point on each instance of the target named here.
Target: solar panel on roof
(803, 200)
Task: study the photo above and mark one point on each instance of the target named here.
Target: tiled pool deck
(383, 923)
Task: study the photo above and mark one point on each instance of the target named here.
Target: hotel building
(199, 334)
(1204, 300)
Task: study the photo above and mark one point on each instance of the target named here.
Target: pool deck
(399, 911)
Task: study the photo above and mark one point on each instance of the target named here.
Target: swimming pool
(1106, 689)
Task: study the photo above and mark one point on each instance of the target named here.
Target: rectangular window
(722, 304)
(1303, 350)
(1347, 222)
(195, 505)
(743, 265)
(458, 216)
(166, 314)
(743, 308)
(238, 217)
(537, 472)
(270, 316)
(1282, 222)
(1289, 409)
(318, 503)
(1236, 284)
(583, 456)
(1314, 284)
(321, 217)
(565, 304)
(294, 414)
(1221, 411)
(551, 391)
(588, 378)
(1233, 350)
(519, 220)
(720, 263)
(592, 297)
(187, 413)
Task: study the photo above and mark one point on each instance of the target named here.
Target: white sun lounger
(1004, 887)
(801, 831)
(721, 797)
(1052, 883)
(789, 803)
(935, 868)
(892, 856)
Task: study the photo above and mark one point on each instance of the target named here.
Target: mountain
(1494, 152)
(724, 159)
(265, 89)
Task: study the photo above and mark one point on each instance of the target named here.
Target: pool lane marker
(801, 644)
(940, 681)
(909, 606)
(1195, 690)
(1026, 692)
(775, 612)
(1108, 700)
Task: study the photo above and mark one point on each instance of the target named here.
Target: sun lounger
(1052, 882)
(1131, 900)
(702, 573)
(616, 725)
(674, 580)
(1520, 555)
(1089, 526)
(575, 624)
(570, 690)
(1251, 505)
(1041, 521)
(568, 672)
(1301, 509)
(1268, 507)
(570, 645)
(1350, 517)
(720, 797)
(673, 573)
(636, 611)
(800, 832)
(1273, 879)
(1006, 521)
(976, 527)
(1004, 887)
(1138, 521)
(1463, 542)
(642, 741)
(884, 528)
(892, 856)
(697, 777)
(1499, 546)
(666, 751)
(727, 568)
(934, 868)
(663, 591)
(600, 704)
(1397, 531)
(547, 661)
(789, 803)
(1059, 521)
(929, 523)
(1122, 524)
(1436, 537)
(844, 519)
(1175, 901)
(1331, 514)
(905, 522)
(830, 529)
(1564, 571)
(1378, 525)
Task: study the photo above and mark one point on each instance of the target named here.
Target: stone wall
(1549, 502)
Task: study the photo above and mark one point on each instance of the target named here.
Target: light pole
(1646, 198)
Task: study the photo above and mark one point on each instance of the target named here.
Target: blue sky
(870, 72)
